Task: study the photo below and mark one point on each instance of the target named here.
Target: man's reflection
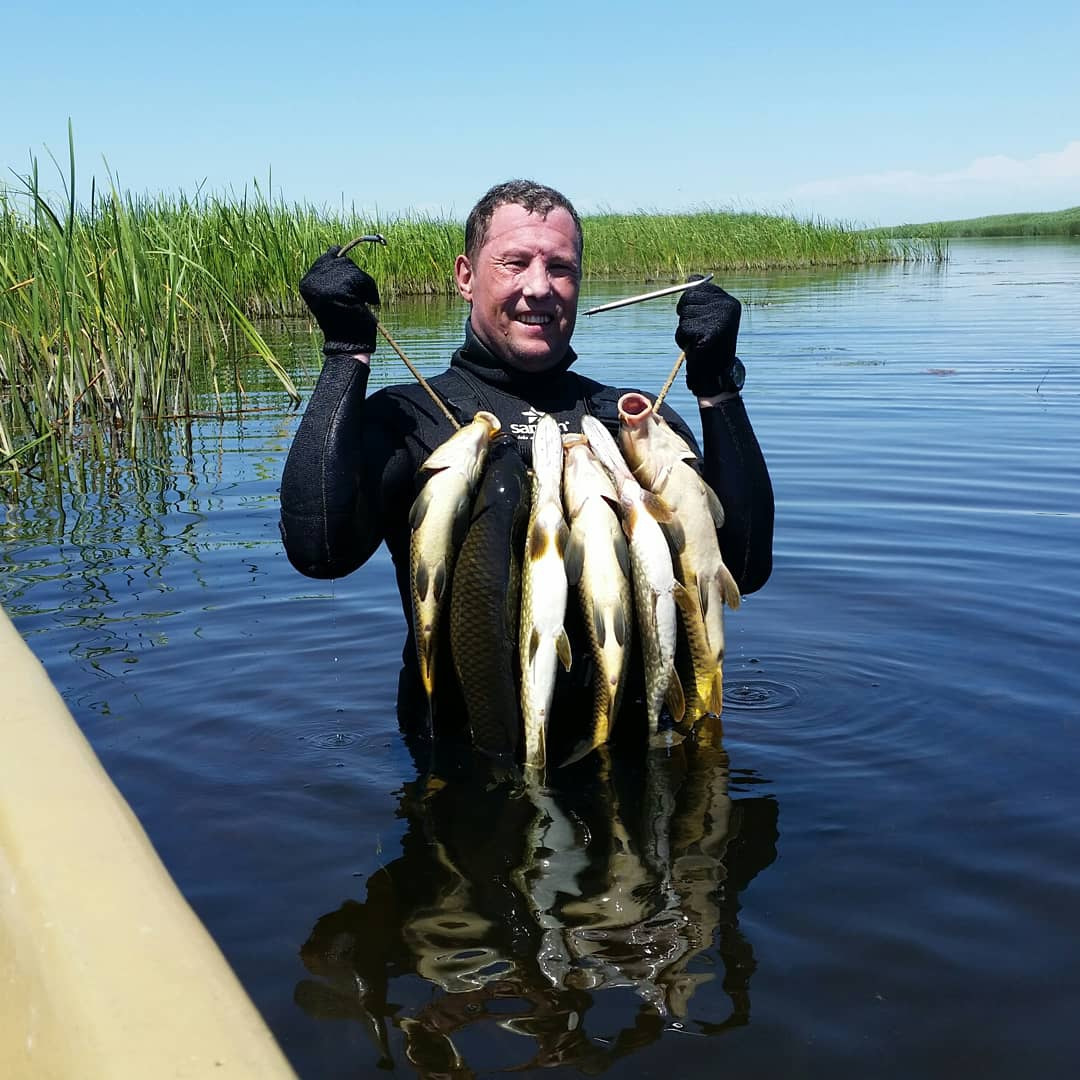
(524, 903)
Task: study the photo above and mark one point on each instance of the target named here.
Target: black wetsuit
(351, 475)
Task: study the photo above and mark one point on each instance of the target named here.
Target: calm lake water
(876, 871)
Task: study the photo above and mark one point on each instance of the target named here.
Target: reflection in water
(521, 904)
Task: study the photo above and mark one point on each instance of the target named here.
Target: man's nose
(536, 281)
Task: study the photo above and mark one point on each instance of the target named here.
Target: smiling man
(352, 473)
(521, 276)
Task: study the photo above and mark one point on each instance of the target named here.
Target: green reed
(1045, 223)
(132, 309)
(664, 245)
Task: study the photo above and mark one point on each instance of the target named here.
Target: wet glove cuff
(349, 348)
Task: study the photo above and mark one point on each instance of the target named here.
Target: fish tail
(716, 697)
(675, 699)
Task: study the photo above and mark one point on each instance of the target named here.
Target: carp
(660, 461)
(485, 602)
(598, 566)
(438, 519)
(656, 591)
(542, 640)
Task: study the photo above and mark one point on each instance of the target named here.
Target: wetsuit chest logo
(528, 429)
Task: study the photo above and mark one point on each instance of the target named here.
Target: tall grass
(675, 244)
(129, 308)
(1048, 223)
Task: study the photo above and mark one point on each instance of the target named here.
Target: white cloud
(987, 185)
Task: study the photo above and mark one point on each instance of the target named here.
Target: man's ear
(463, 276)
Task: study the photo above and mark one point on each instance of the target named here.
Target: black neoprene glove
(338, 293)
(707, 331)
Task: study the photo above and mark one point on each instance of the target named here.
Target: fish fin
(574, 559)
(665, 740)
(661, 478)
(716, 697)
(460, 526)
(534, 644)
(703, 596)
(424, 643)
(418, 510)
(675, 700)
(621, 626)
(732, 596)
(444, 456)
(562, 538)
(676, 536)
(422, 580)
(716, 509)
(685, 599)
(581, 750)
(562, 648)
(439, 581)
(657, 507)
(537, 543)
(599, 623)
(622, 554)
(613, 502)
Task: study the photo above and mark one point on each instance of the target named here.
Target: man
(351, 475)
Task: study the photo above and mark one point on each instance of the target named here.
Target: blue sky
(859, 112)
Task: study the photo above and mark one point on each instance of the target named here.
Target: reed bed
(1045, 223)
(132, 309)
(671, 245)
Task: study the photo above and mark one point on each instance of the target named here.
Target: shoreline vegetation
(1045, 223)
(132, 309)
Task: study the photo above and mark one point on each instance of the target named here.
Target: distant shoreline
(1045, 223)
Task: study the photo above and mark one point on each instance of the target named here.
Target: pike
(656, 592)
(660, 460)
(598, 566)
(542, 641)
(485, 602)
(438, 519)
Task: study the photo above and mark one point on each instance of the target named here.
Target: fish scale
(542, 639)
(660, 460)
(656, 592)
(438, 518)
(485, 602)
(598, 565)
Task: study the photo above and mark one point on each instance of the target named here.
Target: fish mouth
(494, 424)
(634, 408)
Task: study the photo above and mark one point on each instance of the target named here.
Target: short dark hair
(534, 197)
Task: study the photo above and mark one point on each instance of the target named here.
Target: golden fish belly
(604, 592)
(431, 560)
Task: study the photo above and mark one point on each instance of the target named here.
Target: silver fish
(660, 460)
(542, 640)
(656, 591)
(598, 566)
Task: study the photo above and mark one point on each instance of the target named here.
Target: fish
(660, 460)
(542, 641)
(656, 590)
(598, 567)
(485, 602)
(438, 518)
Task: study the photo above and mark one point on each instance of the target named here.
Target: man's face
(523, 286)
